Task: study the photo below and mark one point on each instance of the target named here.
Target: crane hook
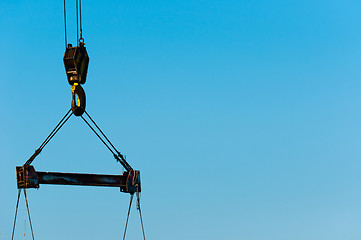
(78, 101)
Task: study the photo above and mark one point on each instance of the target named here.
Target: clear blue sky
(242, 116)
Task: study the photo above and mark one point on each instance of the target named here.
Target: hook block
(76, 61)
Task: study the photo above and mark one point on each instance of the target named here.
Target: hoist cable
(140, 213)
(50, 136)
(77, 22)
(81, 28)
(66, 39)
(119, 154)
(16, 213)
(27, 207)
(126, 223)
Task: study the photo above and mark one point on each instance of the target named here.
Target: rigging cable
(77, 21)
(81, 28)
(140, 212)
(25, 224)
(66, 39)
(50, 136)
(126, 223)
(117, 155)
(16, 213)
(27, 207)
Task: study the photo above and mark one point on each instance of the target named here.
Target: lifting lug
(133, 182)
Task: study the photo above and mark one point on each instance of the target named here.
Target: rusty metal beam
(82, 179)
(27, 177)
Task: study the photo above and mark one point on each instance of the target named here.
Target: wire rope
(16, 213)
(117, 155)
(27, 207)
(66, 38)
(81, 28)
(57, 130)
(46, 140)
(25, 224)
(49, 137)
(140, 212)
(126, 223)
(97, 135)
(77, 21)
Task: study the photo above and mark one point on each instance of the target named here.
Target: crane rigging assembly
(76, 61)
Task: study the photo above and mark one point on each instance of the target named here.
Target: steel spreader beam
(27, 177)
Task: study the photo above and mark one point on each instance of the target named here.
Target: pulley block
(76, 61)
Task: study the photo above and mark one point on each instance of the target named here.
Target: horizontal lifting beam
(27, 177)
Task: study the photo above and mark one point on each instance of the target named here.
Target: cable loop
(81, 41)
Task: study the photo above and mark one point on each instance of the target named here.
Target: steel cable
(16, 213)
(140, 213)
(117, 155)
(27, 207)
(66, 39)
(97, 135)
(50, 136)
(81, 28)
(77, 22)
(126, 223)
(62, 124)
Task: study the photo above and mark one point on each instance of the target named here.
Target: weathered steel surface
(76, 61)
(27, 177)
(82, 179)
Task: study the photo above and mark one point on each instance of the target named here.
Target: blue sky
(242, 116)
